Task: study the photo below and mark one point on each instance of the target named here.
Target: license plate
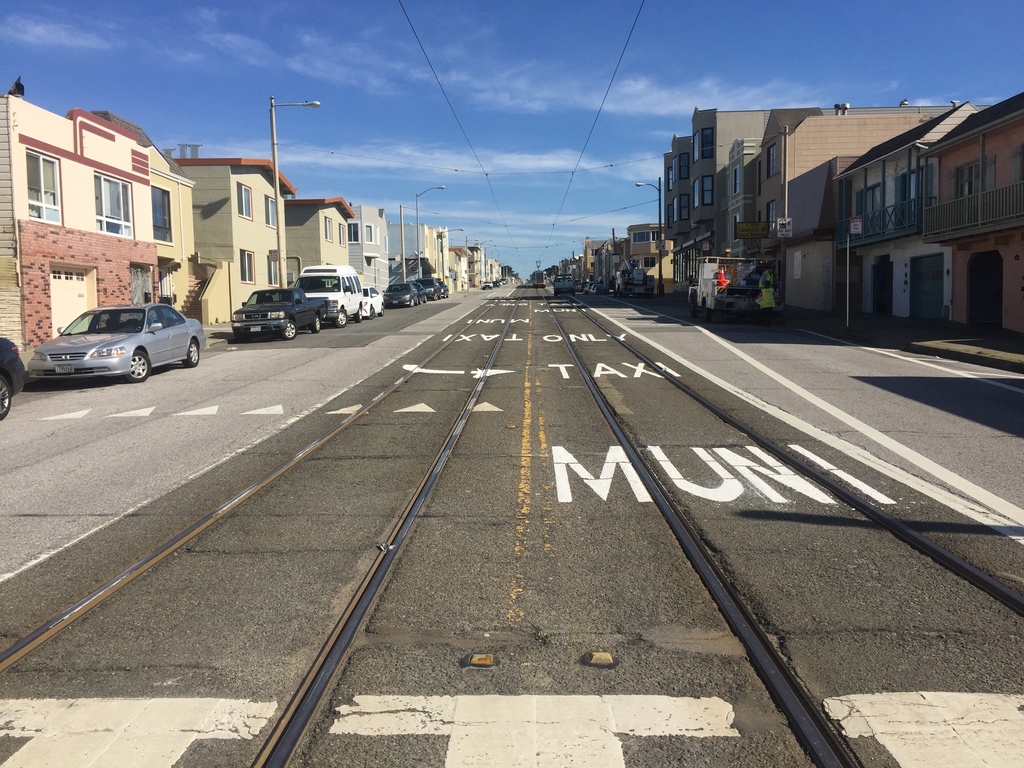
(254, 328)
(67, 368)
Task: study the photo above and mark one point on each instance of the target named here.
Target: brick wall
(107, 255)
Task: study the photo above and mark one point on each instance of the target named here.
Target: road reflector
(600, 659)
(479, 661)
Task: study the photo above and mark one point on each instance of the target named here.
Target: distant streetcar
(538, 279)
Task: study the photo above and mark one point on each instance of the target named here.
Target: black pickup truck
(280, 311)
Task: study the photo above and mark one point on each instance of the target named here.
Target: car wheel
(342, 319)
(290, 331)
(5, 398)
(315, 326)
(373, 313)
(140, 368)
(359, 314)
(192, 356)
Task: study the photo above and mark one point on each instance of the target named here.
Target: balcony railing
(986, 211)
(893, 221)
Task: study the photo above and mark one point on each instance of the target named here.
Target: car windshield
(317, 284)
(270, 297)
(107, 321)
(397, 288)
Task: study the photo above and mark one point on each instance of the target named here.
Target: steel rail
(945, 558)
(298, 715)
(813, 730)
(61, 621)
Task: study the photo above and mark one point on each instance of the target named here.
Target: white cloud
(24, 30)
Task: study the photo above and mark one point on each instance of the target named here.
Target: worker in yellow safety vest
(767, 298)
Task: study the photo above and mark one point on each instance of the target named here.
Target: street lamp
(277, 176)
(661, 238)
(419, 256)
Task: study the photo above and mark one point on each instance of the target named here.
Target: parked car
(279, 311)
(339, 287)
(373, 302)
(564, 284)
(598, 288)
(435, 287)
(421, 292)
(487, 286)
(401, 295)
(128, 341)
(12, 375)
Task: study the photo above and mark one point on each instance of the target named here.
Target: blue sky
(535, 135)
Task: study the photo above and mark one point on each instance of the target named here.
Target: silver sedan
(128, 341)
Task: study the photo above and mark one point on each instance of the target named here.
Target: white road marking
(139, 412)
(929, 729)
(347, 411)
(479, 373)
(274, 410)
(864, 488)
(417, 369)
(84, 733)
(211, 411)
(552, 731)
(990, 510)
(616, 457)
(418, 408)
(486, 407)
(75, 415)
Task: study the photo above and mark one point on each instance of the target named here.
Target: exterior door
(926, 287)
(985, 291)
(142, 284)
(881, 286)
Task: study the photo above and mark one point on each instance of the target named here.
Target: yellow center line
(515, 613)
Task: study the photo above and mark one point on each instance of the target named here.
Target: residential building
(801, 152)
(704, 232)
(317, 232)
(76, 217)
(420, 247)
(643, 247)
(978, 210)
(368, 245)
(741, 198)
(892, 269)
(235, 219)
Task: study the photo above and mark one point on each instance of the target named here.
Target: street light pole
(278, 213)
(661, 237)
(419, 256)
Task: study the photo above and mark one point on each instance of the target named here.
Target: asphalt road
(501, 562)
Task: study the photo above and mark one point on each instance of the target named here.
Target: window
(244, 195)
(696, 192)
(772, 160)
(113, 206)
(369, 233)
(645, 236)
(161, 214)
(684, 207)
(270, 211)
(707, 190)
(650, 262)
(246, 267)
(707, 142)
(769, 215)
(353, 232)
(736, 180)
(967, 178)
(328, 229)
(43, 197)
(670, 175)
(684, 165)
(735, 225)
(273, 270)
(873, 198)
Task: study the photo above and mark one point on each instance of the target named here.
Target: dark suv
(435, 287)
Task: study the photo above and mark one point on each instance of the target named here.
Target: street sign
(751, 230)
(856, 225)
(785, 228)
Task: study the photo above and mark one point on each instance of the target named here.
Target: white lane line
(75, 415)
(930, 729)
(1003, 516)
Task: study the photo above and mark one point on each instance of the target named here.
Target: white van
(341, 287)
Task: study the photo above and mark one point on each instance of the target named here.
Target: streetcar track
(810, 725)
(943, 557)
(98, 596)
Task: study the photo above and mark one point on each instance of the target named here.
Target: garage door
(926, 284)
(71, 292)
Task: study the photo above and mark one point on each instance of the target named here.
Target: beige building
(78, 193)
(317, 234)
(235, 232)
